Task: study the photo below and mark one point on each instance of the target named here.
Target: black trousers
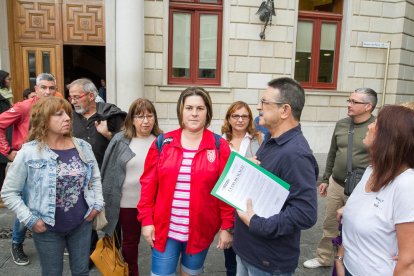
(2, 173)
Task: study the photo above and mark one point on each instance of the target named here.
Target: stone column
(4, 38)
(124, 51)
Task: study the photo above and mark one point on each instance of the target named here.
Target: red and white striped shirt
(180, 211)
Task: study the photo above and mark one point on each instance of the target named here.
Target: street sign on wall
(369, 44)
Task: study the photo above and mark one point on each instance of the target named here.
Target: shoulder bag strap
(349, 151)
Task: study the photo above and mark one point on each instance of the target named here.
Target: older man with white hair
(94, 122)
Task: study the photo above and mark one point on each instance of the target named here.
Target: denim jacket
(34, 173)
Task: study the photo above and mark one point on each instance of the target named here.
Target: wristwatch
(339, 258)
(230, 230)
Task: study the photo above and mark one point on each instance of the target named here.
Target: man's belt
(340, 182)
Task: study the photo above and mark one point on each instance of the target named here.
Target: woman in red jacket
(179, 216)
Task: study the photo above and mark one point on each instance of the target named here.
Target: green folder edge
(226, 169)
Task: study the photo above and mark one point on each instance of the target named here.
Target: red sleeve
(226, 211)
(8, 118)
(149, 183)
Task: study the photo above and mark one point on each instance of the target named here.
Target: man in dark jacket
(93, 122)
(270, 246)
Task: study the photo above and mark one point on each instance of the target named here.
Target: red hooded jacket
(207, 213)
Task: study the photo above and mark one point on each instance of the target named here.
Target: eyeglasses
(262, 102)
(143, 117)
(77, 98)
(352, 102)
(238, 117)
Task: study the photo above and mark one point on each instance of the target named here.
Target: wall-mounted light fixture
(265, 12)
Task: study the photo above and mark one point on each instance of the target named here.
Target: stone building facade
(249, 62)
(138, 41)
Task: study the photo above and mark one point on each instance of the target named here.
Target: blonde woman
(239, 131)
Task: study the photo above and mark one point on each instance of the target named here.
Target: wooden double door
(38, 30)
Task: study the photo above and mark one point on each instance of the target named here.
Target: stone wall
(382, 21)
(248, 63)
(4, 39)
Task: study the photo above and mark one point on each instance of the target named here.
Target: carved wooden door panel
(40, 28)
(83, 22)
(37, 20)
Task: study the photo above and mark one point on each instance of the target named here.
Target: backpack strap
(217, 138)
(160, 144)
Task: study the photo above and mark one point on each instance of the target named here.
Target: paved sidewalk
(214, 265)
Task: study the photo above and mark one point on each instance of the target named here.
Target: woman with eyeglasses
(240, 133)
(239, 130)
(122, 167)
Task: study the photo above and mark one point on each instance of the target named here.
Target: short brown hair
(194, 91)
(393, 145)
(40, 116)
(137, 107)
(226, 128)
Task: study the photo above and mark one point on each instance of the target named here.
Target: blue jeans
(51, 245)
(246, 269)
(19, 229)
(165, 263)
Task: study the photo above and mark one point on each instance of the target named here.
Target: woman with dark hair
(28, 94)
(4, 105)
(121, 169)
(239, 131)
(59, 178)
(5, 86)
(179, 216)
(378, 218)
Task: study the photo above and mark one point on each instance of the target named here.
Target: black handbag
(352, 180)
(352, 176)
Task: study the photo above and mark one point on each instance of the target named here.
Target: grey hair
(45, 77)
(370, 95)
(87, 86)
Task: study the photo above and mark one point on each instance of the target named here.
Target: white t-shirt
(244, 145)
(369, 219)
(131, 188)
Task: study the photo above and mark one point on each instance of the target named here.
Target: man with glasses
(94, 122)
(271, 246)
(361, 103)
(18, 117)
